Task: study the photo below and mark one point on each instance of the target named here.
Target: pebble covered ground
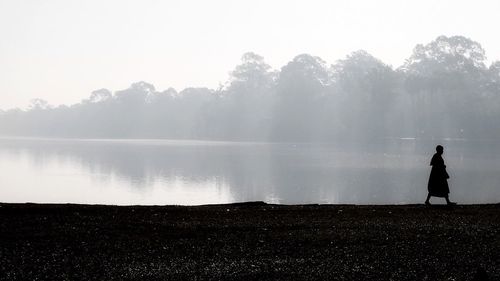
(250, 241)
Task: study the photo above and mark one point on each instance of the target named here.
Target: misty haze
(249, 140)
(355, 131)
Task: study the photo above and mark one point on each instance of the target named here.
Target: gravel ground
(249, 241)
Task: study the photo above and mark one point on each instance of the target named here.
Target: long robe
(438, 180)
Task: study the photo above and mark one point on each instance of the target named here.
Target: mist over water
(202, 172)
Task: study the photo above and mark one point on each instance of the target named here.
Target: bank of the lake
(252, 241)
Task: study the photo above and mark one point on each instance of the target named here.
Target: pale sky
(61, 50)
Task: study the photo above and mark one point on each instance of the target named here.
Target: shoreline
(249, 241)
(246, 203)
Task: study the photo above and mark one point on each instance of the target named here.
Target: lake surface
(202, 172)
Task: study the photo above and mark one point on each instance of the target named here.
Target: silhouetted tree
(444, 89)
(300, 91)
(445, 79)
(244, 107)
(367, 91)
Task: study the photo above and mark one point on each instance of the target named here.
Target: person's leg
(428, 198)
(448, 201)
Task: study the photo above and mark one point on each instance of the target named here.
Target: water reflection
(198, 172)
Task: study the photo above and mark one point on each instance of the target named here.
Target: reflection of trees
(142, 163)
(444, 89)
(292, 173)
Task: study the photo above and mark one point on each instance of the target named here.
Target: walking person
(438, 180)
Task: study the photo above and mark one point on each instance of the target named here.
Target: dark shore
(251, 241)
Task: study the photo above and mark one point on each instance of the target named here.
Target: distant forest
(443, 90)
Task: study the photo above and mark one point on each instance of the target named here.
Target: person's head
(439, 149)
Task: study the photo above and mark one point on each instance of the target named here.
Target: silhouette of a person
(438, 179)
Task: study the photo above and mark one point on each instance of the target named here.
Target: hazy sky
(61, 50)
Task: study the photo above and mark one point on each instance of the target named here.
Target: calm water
(201, 172)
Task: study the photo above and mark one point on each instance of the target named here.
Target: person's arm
(433, 160)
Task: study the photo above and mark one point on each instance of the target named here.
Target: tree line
(443, 90)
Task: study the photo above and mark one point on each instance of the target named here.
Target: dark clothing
(438, 180)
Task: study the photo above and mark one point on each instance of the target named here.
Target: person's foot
(449, 203)
(427, 203)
